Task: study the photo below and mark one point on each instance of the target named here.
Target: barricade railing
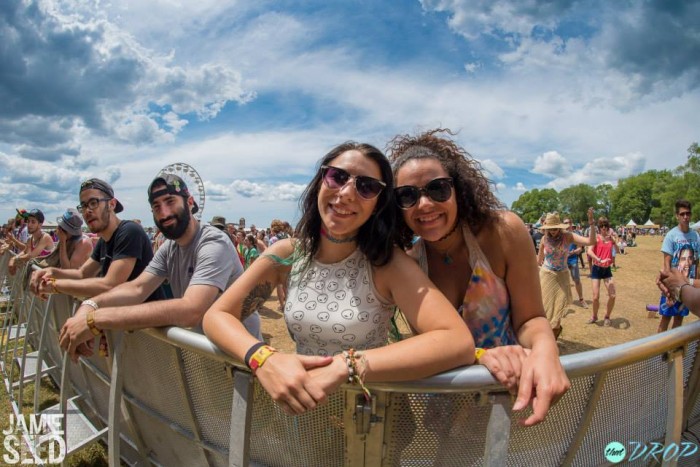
(170, 397)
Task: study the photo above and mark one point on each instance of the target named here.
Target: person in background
(601, 255)
(251, 252)
(39, 244)
(575, 252)
(680, 249)
(74, 247)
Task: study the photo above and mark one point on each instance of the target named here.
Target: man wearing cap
(38, 244)
(121, 254)
(198, 261)
(18, 236)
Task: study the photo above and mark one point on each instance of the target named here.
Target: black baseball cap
(104, 187)
(36, 214)
(174, 185)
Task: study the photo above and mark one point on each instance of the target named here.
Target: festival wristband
(260, 356)
(478, 353)
(90, 303)
(251, 351)
(90, 318)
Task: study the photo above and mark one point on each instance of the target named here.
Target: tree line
(649, 195)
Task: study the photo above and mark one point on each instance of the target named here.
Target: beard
(177, 229)
(103, 224)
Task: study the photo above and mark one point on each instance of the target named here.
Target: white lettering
(10, 449)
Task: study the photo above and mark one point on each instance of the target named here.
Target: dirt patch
(635, 282)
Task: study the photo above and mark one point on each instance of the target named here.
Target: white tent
(650, 225)
(695, 226)
(631, 223)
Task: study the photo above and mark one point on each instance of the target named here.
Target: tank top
(486, 304)
(335, 307)
(556, 253)
(603, 250)
(31, 248)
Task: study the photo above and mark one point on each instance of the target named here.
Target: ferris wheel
(192, 180)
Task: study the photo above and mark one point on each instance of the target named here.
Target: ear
(190, 203)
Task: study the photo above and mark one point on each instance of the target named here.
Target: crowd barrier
(169, 397)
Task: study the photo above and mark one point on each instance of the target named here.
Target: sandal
(592, 321)
(607, 322)
(582, 303)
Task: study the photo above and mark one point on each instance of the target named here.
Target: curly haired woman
(480, 256)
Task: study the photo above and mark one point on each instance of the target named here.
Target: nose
(424, 200)
(348, 190)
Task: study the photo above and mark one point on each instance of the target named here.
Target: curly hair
(477, 206)
(376, 236)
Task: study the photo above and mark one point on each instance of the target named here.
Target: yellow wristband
(260, 356)
(478, 353)
(90, 317)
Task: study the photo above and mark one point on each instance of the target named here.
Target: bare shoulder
(282, 248)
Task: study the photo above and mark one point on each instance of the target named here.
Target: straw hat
(552, 221)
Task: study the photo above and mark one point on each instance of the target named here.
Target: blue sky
(252, 94)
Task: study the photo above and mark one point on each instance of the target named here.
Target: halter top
(486, 304)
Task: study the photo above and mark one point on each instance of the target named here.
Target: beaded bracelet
(351, 357)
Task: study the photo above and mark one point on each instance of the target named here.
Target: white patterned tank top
(335, 307)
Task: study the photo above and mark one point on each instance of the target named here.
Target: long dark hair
(477, 206)
(376, 236)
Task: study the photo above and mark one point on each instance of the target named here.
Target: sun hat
(552, 221)
(71, 222)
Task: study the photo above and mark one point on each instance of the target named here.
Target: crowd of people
(417, 234)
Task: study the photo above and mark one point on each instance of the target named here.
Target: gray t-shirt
(209, 259)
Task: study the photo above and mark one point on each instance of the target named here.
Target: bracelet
(91, 303)
(354, 375)
(90, 318)
(52, 281)
(260, 356)
(478, 353)
(251, 351)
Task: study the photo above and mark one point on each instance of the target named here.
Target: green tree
(533, 203)
(575, 201)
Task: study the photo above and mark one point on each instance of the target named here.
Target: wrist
(90, 320)
(478, 355)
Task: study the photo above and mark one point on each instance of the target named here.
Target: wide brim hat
(218, 221)
(552, 221)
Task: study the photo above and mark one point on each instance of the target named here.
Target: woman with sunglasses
(480, 256)
(345, 275)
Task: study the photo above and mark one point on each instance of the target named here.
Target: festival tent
(649, 225)
(695, 226)
(631, 223)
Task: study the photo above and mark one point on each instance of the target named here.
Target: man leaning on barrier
(121, 254)
(198, 261)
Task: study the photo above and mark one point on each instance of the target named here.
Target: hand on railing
(75, 331)
(505, 364)
(39, 282)
(287, 379)
(542, 383)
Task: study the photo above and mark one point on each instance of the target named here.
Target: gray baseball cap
(71, 222)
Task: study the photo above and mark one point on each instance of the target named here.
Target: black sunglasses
(366, 187)
(439, 190)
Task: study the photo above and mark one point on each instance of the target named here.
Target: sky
(252, 94)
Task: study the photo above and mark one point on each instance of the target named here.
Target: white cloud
(552, 164)
(602, 170)
(493, 170)
(520, 187)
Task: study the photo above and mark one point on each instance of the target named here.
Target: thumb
(314, 361)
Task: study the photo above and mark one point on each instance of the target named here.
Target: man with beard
(197, 260)
(121, 254)
(38, 244)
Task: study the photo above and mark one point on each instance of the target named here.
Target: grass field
(634, 279)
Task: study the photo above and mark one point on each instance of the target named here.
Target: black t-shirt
(536, 238)
(129, 240)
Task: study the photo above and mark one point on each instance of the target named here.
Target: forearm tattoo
(255, 299)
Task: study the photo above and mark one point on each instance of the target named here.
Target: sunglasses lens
(439, 190)
(368, 187)
(335, 178)
(407, 196)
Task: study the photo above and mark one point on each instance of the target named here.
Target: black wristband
(251, 351)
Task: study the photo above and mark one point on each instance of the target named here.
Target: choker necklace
(337, 240)
(446, 258)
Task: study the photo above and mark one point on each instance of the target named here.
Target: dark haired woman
(480, 256)
(345, 275)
